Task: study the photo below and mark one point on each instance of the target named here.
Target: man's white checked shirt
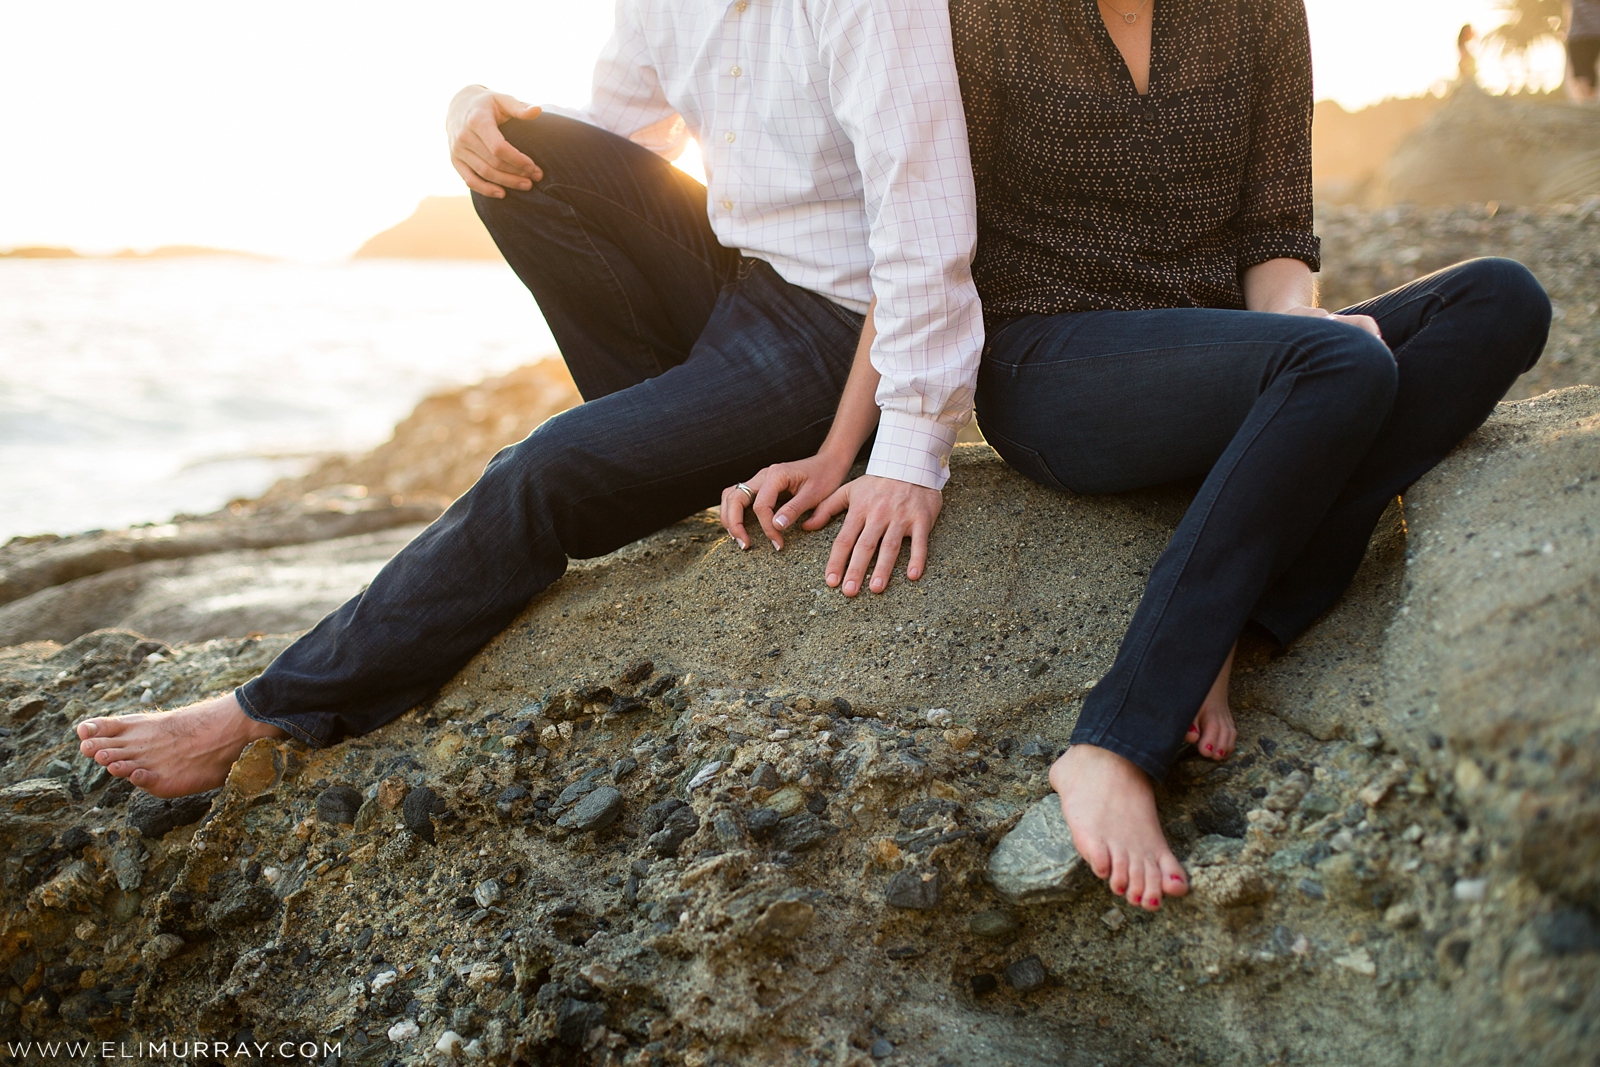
(835, 149)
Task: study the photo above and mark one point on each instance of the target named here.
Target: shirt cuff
(912, 448)
(1285, 244)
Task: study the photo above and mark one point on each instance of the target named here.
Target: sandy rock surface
(694, 808)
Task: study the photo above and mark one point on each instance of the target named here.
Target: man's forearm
(857, 416)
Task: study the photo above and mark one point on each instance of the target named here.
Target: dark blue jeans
(697, 367)
(1303, 430)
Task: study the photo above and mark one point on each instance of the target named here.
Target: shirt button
(740, 6)
(727, 205)
(729, 137)
(736, 71)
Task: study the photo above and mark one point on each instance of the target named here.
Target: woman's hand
(1361, 322)
(808, 481)
(486, 161)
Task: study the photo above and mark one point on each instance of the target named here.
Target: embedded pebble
(912, 891)
(1113, 918)
(404, 1030)
(1471, 890)
(765, 776)
(993, 924)
(339, 804)
(596, 811)
(705, 774)
(882, 1049)
(488, 893)
(1027, 974)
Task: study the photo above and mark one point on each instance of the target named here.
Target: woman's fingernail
(781, 522)
(849, 587)
(776, 547)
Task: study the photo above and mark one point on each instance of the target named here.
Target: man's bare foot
(1110, 808)
(174, 753)
(1213, 732)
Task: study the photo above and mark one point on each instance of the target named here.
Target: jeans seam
(1188, 551)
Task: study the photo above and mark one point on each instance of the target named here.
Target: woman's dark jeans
(1304, 429)
(697, 368)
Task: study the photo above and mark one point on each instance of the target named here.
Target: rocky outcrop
(1478, 147)
(692, 807)
(1370, 252)
(220, 594)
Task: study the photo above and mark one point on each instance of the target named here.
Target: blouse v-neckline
(1108, 46)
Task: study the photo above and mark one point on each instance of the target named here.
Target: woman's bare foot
(174, 753)
(1213, 732)
(1111, 810)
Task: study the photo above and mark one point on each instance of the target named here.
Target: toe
(1152, 884)
(141, 777)
(1136, 891)
(121, 768)
(87, 729)
(1095, 852)
(106, 756)
(1211, 738)
(1174, 883)
(1119, 872)
(1192, 734)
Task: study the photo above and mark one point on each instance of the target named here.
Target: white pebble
(939, 716)
(1471, 890)
(384, 980)
(705, 774)
(404, 1030)
(148, 697)
(449, 1042)
(1113, 918)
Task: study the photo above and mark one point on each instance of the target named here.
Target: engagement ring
(747, 491)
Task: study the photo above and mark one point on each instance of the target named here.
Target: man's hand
(880, 514)
(810, 481)
(486, 161)
(1361, 322)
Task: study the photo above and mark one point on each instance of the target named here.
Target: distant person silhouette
(1468, 66)
(1582, 25)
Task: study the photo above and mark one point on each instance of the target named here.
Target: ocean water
(132, 391)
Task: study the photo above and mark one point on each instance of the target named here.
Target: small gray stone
(417, 810)
(765, 776)
(1027, 974)
(488, 893)
(154, 817)
(623, 768)
(800, 833)
(727, 828)
(882, 1049)
(1567, 932)
(678, 827)
(576, 791)
(1316, 805)
(596, 811)
(1036, 861)
(506, 802)
(762, 822)
(36, 796)
(1311, 889)
(338, 804)
(910, 891)
(993, 924)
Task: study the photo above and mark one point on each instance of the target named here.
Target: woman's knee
(1366, 368)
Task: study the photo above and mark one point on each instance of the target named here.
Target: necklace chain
(1130, 17)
